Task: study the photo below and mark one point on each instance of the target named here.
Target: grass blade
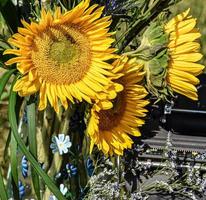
(31, 116)
(12, 119)
(4, 79)
(3, 193)
(14, 162)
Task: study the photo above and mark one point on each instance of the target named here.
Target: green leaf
(7, 145)
(14, 162)
(3, 193)
(32, 143)
(4, 79)
(12, 119)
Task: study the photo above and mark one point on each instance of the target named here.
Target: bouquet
(78, 78)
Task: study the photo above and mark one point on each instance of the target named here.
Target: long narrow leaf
(14, 162)
(3, 193)
(12, 119)
(4, 79)
(33, 144)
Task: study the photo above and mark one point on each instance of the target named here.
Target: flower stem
(140, 23)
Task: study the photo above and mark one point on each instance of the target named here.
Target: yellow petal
(12, 51)
(61, 96)
(182, 27)
(42, 97)
(188, 47)
(180, 39)
(188, 57)
(15, 60)
(176, 19)
(184, 76)
(193, 68)
(20, 83)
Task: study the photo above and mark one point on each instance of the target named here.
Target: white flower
(60, 143)
(52, 197)
(63, 189)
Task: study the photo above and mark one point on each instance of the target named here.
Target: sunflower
(183, 53)
(109, 129)
(169, 53)
(63, 56)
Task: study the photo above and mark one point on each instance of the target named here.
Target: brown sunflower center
(61, 55)
(109, 119)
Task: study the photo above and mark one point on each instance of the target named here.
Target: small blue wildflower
(112, 4)
(60, 143)
(71, 170)
(21, 190)
(24, 166)
(89, 167)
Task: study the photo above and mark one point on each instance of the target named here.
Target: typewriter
(181, 125)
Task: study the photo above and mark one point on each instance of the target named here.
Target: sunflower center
(62, 54)
(109, 119)
(64, 51)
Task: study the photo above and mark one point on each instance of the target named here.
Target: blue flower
(90, 167)
(71, 170)
(112, 4)
(21, 190)
(60, 143)
(24, 166)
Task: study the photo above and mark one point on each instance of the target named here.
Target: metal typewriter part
(182, 128)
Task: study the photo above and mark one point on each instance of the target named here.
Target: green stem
(23, 148)
(31, 115)
(138, 25)
(4, 79)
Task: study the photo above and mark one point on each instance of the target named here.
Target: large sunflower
(183, 53)
(63, 55)
(109, 129)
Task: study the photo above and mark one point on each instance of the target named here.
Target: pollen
(61, 52)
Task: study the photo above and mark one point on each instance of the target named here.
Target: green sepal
(154, 41)
(160, 41)
(158, 64)
(156, 72)
(155, 35)
(155, 67)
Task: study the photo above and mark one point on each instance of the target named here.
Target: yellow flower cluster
(67, 57)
